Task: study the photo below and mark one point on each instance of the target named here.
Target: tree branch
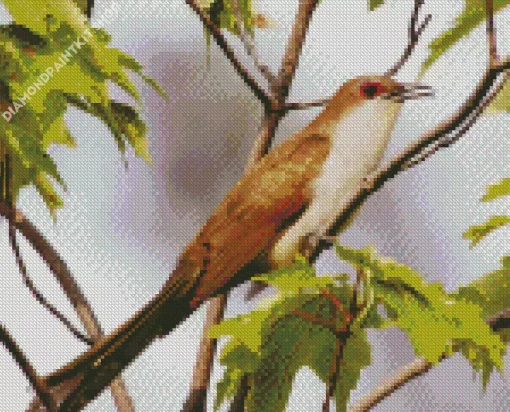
(71, 289)
(304, 105)
(257, 90)
(28, 370)
(272, 116)
(447, 142)
(414, 36)
(197, 398)
(38, 295)
(401, 162)
(491, 33)
(6, 194)
(466, 116)
(293, 50)
(249, 45)
(416, 368)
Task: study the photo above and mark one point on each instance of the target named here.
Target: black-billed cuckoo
(298, 189)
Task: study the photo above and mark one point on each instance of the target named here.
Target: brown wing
(270, 197)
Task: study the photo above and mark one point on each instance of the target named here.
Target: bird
(297, 190)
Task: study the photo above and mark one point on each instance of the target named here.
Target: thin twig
(28, 370)
(249, 45)
(257, 90)
(414, 36)
(272, 115)
(5, 337)
(27, 280)
(342, 336)
(416, 368)
(491, 33)
(334, 371)
(37, 294)
(293, 50)
(200, 381)
(69, 286)
(449, 141)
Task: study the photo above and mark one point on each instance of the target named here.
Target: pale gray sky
(121, 231)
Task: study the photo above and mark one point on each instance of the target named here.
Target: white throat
(358, 145)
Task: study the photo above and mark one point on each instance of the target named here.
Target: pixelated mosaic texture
(118, 223)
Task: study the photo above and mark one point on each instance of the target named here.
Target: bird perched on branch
(297, 190)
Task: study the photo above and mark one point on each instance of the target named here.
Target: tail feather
(82, 380)
(79, 382)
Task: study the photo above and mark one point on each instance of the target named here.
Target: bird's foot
(313, 241)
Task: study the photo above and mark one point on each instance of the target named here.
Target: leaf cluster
(50, 48)
(320, 323)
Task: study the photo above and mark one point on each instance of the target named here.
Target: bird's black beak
(408, 91)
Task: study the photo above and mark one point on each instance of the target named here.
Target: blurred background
(121, 230)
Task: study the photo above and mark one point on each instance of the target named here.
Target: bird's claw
(313, 240)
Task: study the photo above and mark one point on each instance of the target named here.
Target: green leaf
(373, 4)
(497, 190)
(82, 4)
(58, 133)
(122, 120)
(293, 341)
(287, 347)
(224, 15)
(356, 357)
(358, 258)
(131, 64)
(501, 102)
(272, 344)
(131, 127)
(244, 329)
(40, 52)
(423, 310)
(47, 191)
(491, 291)
(472, 16)
(476, 233)
(73, 78)
(228, 386)
(43, 16)
(300, 277)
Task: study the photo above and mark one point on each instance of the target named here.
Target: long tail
(79, 382)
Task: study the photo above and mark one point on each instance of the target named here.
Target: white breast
(359, 142)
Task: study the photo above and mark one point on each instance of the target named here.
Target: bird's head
(382, 92)
(366, 88)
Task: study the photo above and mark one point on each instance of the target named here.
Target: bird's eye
(370, 90)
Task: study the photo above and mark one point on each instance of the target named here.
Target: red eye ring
(370, 90)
